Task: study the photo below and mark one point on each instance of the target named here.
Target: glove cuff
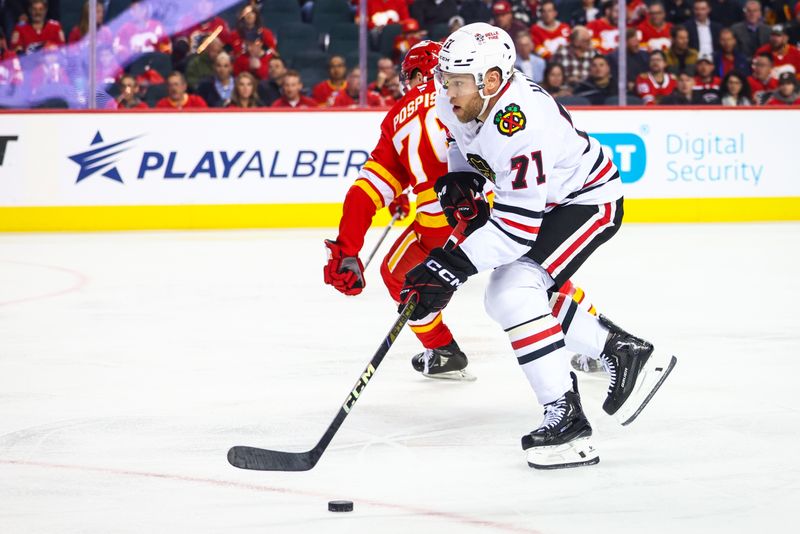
(456, 260)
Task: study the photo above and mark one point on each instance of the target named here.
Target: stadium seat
(271, 7)
(631, 100)
(155, 93)
(574, 101)
(312, 76)
(276, 21)
(308, 59)
(161, 63)
(437, 32)
(339, 8)
(386, 39)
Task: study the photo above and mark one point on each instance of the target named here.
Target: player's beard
(471, 108)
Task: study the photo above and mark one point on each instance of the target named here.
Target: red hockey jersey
(546, 41)
(411, 152)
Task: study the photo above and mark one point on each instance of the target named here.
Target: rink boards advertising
(104, 171)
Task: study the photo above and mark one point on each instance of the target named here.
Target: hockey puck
(340, 506)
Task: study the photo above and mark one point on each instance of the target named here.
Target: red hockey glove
(345, 273)
(435, 280)
(400, 205)
(458, 194)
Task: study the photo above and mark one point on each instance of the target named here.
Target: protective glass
(455, 85)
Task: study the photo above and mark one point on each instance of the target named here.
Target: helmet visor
(455, 85)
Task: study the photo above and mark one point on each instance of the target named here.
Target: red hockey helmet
(424, 57)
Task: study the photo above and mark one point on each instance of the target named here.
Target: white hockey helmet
(476, 48)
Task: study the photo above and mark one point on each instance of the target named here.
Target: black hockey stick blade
(245, 457)
(266, 460)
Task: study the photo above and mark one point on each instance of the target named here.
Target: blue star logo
(100, 159)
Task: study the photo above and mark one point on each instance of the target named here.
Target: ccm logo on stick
(443, 273)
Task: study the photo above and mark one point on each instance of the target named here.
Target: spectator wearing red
(703, 32)
(751, 33)
(411, 35)
(326, 91)
(385, 72)
(292, 93)
(706, 82)
(177, 97)
(383, 12)
(549, 33)
(735, 91)
(656, 31)
(142, 34)
(244, 94)
(727, 58)
(10, 67)
(104, 36)
(503, 17)
(348, 98)
(785, 58)
(217, 90)
(761, 81)
(636, 12)
(195, 35)
(250, 20)
(38, 32)
(683, 95)
(429, 12)
(129, 94)
(395, 90)
(786, 94)
(256, 60)
(657, 83)
(604, 31)
(681, 58)
(576, 58)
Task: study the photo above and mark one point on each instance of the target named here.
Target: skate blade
(655, 371)
(461, 376)
(576, 453)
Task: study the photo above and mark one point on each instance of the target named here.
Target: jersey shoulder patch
(510, 120)
(482, 166)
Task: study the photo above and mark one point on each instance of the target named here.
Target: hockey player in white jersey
(557, 198)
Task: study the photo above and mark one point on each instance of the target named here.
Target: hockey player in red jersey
(411, 153)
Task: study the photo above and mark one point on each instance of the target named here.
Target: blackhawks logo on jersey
(510, 120)
(481, 165)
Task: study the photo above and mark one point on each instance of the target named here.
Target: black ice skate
(636, 372)
(563, 439)
(447, 362)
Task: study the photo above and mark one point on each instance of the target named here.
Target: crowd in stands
(304, 53)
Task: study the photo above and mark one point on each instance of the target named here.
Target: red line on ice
(458, 518)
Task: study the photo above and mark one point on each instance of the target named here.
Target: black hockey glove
(435, 280)
(458, 194)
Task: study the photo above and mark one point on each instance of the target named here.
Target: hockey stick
(395, 218)
(245, 457)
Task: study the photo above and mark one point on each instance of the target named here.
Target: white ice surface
(131, 362)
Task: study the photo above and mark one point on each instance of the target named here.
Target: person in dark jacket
(728, 58)
(703, 32)
(217, 89)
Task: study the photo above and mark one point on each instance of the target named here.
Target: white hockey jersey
(536, 159)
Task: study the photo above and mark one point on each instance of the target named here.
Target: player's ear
(492, 80)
